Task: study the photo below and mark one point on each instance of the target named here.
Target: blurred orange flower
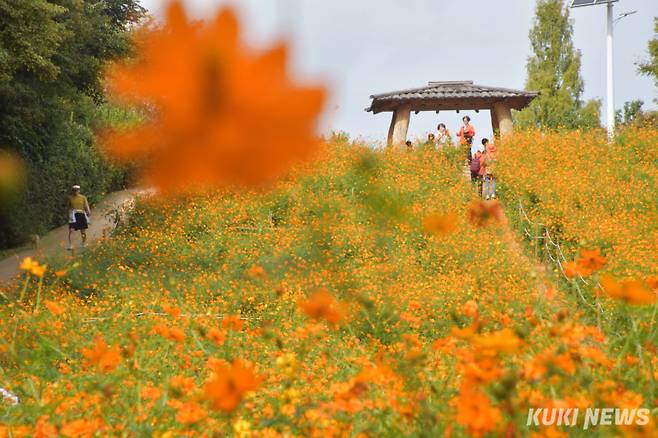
(190, 412)
(12, 175)
(630, 291)
(572, 269)
(321, 305)
(475, 412)
(105, 358)
(220, 114)
(232, 322)
(81, 428)
(256, 272)
(32, 266)
(592, 259)
(229, 384)
(503, 341)
(176, 334)
(470, 308)
(55, 308)
(43, 429)
(172, 310)
(482, 213)
(440, 224)
(216, 336)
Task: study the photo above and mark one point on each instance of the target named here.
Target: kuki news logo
(591, 417)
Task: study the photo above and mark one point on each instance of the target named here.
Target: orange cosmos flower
(232, 322)
(464, 333)
(173, 311)
(440, 224)
(55, 308)
(470, 308)
(256, 272)
(504, 341)
(219, 113)
(32, 266)
(572, 269)
(321, 305)
(106, 359)
(592, 259)
(482, 213)
(176, 334)
(630, 291)
(475, 412)
(190, 412)
(216, 336)
(26, 264)
(81, 428)
(229, 384)
(43, 429)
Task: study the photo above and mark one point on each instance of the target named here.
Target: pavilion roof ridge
(446, 95)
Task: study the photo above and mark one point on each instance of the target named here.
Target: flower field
(367, 294)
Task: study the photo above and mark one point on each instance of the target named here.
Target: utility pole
(610, 84)
(610, 110)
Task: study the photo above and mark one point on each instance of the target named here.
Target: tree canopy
(650, 67)
(554, 71)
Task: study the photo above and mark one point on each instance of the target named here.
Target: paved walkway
(54, 243)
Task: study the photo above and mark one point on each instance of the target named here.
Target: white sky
(362, 47)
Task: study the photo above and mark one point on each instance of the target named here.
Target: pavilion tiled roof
(451, 95)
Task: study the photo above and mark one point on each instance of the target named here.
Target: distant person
(79, 213)
(488, 160)
(443, 137)
(476, 166)
(410, 145)
(479, 147)
(431, 140)
(466, 134)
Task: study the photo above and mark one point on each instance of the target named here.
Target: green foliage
(554, 71)
(634, 115)
(650, 67)
(29, 37)
(632, 109)
(52, 54)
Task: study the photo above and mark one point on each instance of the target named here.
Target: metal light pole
(610, 110)
(610, 107)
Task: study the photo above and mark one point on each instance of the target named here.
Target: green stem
(36, 305)
(22, 294)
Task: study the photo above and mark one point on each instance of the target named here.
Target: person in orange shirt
(466, 134)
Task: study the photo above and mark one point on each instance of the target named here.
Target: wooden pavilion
(450, 96)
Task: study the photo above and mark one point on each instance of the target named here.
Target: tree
(29, 36)
(554, 71)
(650, 67)
(632, 110)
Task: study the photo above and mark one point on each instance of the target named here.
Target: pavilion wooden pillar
(502, 114)
(494, 123)
(397, 132)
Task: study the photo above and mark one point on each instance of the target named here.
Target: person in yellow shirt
(79, 213)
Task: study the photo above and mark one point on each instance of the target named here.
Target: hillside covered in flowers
(367, 293)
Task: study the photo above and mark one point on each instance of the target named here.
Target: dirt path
(55, 242)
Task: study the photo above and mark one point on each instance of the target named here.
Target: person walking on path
(466, 134)
(489, 161)
(79, 213)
